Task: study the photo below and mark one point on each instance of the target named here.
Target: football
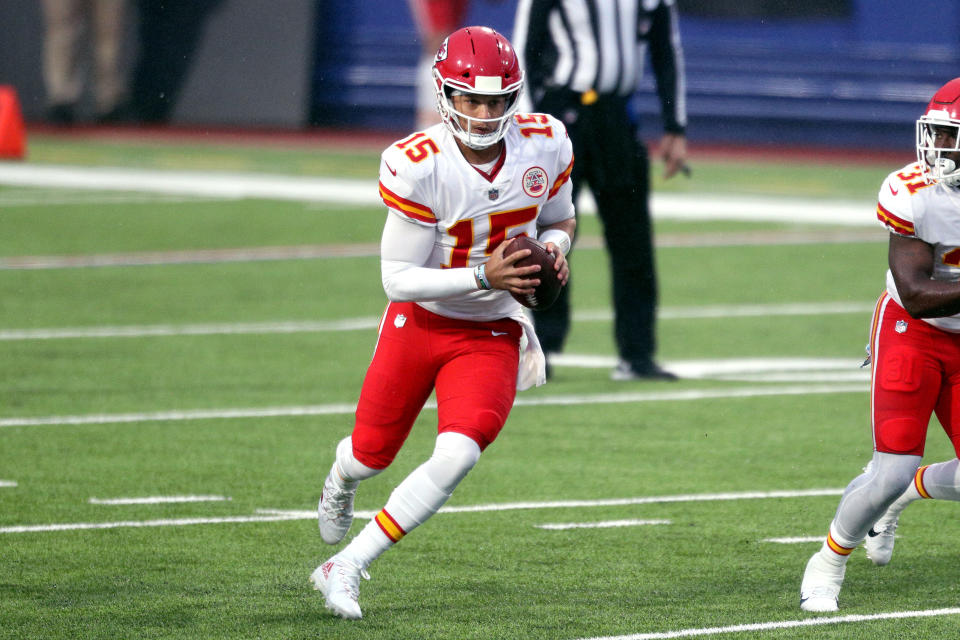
(547, 291)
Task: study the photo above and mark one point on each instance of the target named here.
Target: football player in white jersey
(456, 194)
(915, 353)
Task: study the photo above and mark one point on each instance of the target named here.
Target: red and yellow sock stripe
(918, 482)
(389, 526)
(838, 548)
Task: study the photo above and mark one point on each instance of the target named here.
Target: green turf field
(179, 372)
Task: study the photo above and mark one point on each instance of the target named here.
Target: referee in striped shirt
(583, 59)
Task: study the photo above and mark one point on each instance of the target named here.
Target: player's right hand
(502, 273)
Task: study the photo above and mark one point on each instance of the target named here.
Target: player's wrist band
(558, 237)
(480, 273)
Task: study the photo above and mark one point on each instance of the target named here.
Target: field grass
(223, 401)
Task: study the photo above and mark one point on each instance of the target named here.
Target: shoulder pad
(540, 126)
(894, 206)
(412, 157)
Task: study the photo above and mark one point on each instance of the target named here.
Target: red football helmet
(938, 136)
(481, 61)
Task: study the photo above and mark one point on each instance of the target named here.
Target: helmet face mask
(938, 137)
(937, 149)
(477, 61)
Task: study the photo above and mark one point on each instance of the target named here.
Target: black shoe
(118, 115)
(647, 371)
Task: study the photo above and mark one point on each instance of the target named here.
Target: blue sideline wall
(858, 81)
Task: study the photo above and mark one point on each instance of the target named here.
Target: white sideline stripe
(276, 515)
(721, 368)
(743, 311)
(365, 193)
(815, 376)
(158, 500)
(178, 522)
(7, 483)
(342, 409)
(195, 183)
(609, 502)
(363, 323)
(608, 524)
(783, 624)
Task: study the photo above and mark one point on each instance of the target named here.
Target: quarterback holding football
(457, 194)
(915, 354)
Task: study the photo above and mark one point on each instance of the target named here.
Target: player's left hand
(563, 271)
(673, 152)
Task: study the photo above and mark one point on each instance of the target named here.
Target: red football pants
(916, 372)
(472, 366)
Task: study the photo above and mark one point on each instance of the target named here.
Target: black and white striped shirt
(600, 45)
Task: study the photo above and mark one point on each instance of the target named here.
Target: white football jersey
(911, 207)
(425, 179)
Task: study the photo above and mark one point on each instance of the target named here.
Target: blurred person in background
(169, 32)
(583, 60)
(456, 195)
(435, 20)
(914, 350)
(71, 27)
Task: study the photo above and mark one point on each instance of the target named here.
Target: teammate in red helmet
(915, 353)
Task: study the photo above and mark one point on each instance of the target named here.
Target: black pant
(169, 34)
(610, 158)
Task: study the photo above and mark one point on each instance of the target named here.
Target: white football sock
(941, 481)
(868, 495)
(836, 549)
(416, 498)
(351, 470)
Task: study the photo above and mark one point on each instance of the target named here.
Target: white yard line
(695, 206)
(586, 504)
(175, 416)
(8, 483)
(346, 409)
(782, 624)
(362, 250)
(61, 197)
(191, 256)
(158, 500)
(275, 515)
(370, 322)
(607, 524)
(156, 330)
(176, 522)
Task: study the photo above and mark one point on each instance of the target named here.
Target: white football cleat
(335, 509)
(821, 585)
(338, 580)
(879, 542)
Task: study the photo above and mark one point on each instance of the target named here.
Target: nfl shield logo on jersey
(493, 194)
(400, 320)
(901, 326)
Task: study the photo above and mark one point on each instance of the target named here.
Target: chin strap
(946, 170)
